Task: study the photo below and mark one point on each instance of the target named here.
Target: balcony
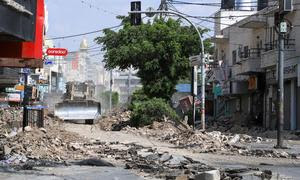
(219, 39)
(254, 22)
(269, 58)
(250, 63)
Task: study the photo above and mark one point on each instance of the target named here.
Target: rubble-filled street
(154, 90)
(161, 151)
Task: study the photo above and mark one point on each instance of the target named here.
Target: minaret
(83, 60)
(84, 45)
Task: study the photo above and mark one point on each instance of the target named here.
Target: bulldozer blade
(78, 110)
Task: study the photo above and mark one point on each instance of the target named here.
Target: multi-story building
(125, 83)
(247, 52)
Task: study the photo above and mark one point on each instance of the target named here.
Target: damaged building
(247, 53)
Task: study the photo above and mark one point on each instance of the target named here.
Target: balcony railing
(251, 53)
(289, 44)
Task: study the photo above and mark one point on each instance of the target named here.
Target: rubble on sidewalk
(10, 119)
(55, 145)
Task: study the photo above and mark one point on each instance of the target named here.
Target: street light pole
(202, 64)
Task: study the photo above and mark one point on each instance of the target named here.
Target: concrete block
(209, 175)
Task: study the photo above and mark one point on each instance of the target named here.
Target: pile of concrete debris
(229, 126)
(177, 133)
(52, 144)
(115, 121)
(10, 118)
(181, 135)
(151, 163)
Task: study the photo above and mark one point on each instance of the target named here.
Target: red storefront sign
(57, 52)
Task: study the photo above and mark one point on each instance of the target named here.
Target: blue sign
(183, 88)
(25, 71)
(47, 62)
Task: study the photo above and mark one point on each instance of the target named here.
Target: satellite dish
(150, 12)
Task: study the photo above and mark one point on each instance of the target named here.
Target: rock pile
(115, 121)
(10, 118)
(149, 161)
(41, 144)
(181, 135)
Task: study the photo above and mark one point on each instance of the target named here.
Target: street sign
(57, 52)
(195, 60)
(195, 83)
(283, 27)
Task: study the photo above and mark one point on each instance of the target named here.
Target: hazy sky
(68, 17)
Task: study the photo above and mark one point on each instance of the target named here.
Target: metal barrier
(34, 116)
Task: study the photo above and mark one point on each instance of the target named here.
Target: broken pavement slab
(209, 175)
(71, 172)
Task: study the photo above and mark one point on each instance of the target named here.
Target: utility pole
(203, 76)
(194, 92)
(282, 30)
(25, 99)
(163, 7)
(129, 84)
(280, 93)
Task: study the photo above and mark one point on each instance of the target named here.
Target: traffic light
(136, 18)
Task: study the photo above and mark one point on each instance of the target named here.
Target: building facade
(247, 52)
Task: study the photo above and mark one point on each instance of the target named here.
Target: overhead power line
(98, 8)
(83, 34)
(240, 4)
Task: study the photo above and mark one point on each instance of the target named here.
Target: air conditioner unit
(227, 4)
(286, 6)
(261, 4)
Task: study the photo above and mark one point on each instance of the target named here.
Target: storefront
(291, 97)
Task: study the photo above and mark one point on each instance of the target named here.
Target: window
(1, 70)
(234, 57)
(240, 52)
(246, 51)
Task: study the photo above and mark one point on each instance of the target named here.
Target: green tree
(158, 50)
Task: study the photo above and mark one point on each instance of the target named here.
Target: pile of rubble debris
(54, 144)
(40, 144)
(115, 121)
(229, 126)
(10, 118)
(182, 136)
(152, 163)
